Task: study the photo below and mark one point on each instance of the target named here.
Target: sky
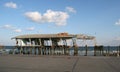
(99, 18)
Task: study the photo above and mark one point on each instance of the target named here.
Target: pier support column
(65, 47)
(14, 50)
(86, 50)
(75, 50)
(50, 50)
(119, 50)
(64, 50)
(68, 50)
(108, 50)
(42, 50)
(30, 50)
(27, 50)
(75, 46)
(21, 50)
(59, 50)
(101, 50)
(39, 50)
(35, 50)
(53, 50)
(95, 47)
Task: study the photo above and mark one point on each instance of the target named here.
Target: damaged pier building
(49, 44)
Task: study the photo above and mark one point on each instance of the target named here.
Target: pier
(38, 63)
(59, 44)
(49, 44)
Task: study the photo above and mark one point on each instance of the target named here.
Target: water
(81, 50)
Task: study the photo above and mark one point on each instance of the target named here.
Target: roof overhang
(59, 35)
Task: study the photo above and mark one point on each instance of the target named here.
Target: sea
(81, 50)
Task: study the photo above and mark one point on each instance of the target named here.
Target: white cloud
(117, 38)
(7, 26)
(11, 5)
(118, 22)
(30, 28)
(18, 30)
(70, 9)
(10, 27)
(57, 17)
(34, 16)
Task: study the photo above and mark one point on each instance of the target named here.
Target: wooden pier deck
(37, 63)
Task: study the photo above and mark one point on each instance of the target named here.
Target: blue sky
(100, 18)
